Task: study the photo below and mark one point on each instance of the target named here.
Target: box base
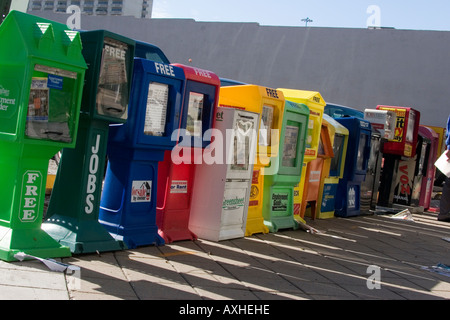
(34, 242)
(81, 237)
(255, 225)
(281, 223)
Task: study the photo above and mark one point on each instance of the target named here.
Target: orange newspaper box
(315, 170)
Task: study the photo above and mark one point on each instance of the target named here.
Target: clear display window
(338, 146)
(361, 152)
(310, 134)
(266, 126)
(156, 112)
(290, 146)
(320, 149)
(243, 130)
(410, 128)
(195, 114)
(50, 103)
(374, 152)
(112, 92)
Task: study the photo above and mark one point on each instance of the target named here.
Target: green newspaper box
(73, 211)
(42, 73)
(278, 200)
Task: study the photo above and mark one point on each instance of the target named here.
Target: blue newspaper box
(128, 204)
(348, 194)
(338, 111)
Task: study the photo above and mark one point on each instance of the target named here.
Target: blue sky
(399, 14)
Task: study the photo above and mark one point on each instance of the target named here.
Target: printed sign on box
(179, 186)
(141, 191)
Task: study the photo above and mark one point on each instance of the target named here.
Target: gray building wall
(135, 8)
(359, 68)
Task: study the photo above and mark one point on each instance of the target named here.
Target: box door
(242, 147)
(50, 111)
(113, 83)
(234, 206)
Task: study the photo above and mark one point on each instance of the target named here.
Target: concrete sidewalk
(288, 265)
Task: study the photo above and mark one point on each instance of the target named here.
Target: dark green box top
(110, 59)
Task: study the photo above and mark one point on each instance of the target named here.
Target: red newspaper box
(428, 181)
(176, 172)
(401, 148)
(406, 131)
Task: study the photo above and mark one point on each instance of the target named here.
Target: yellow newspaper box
(314, 101)
(333, 168)
(269, 104)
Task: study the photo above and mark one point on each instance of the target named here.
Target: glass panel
(361, 148)
(266, 126)
(310, 134)
(195, 114)
(49, 104)
(290, 146)
(321, 150)
(374, 152)
(112, 93)
(423, 158)
(338, 146)
(411, 123)
(241, 145)
(389, 128)
(157, 103)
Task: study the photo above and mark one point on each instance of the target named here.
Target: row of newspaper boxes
(188, 155)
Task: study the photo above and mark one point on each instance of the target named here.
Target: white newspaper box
(223, 180)
(382, 120)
